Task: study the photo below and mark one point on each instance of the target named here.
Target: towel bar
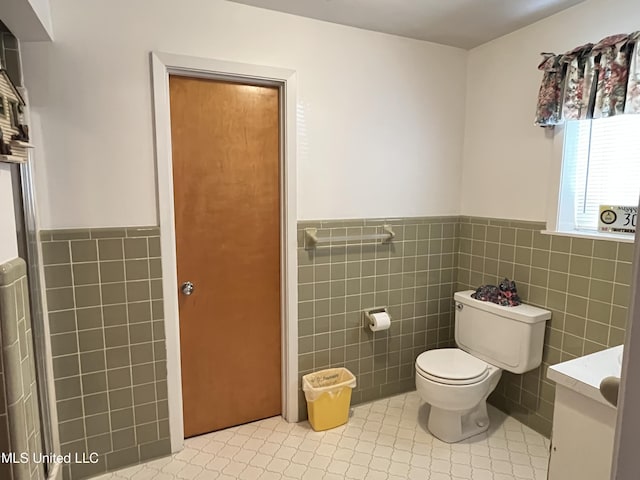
(312, 240)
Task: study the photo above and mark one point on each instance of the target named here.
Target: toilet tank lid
(523, 313)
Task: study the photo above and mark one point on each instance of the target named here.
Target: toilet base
(454, 426)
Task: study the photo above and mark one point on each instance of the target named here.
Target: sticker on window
(617, 219)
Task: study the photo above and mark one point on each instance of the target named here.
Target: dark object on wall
(4, 76)
(5, 148)
(505, 294)
(14, 114)
(23, 129)
(16, 127)
(23, 133)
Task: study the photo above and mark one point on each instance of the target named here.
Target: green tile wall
(104, 292)
(104, 295)
(585, 284)
(19, 409)
(414, 276)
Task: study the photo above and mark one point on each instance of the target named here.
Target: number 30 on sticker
(617, 218)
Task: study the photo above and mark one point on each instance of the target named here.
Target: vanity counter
(584, 374)
(583, 421)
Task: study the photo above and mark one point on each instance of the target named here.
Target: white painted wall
(507, 160)
(380, 117)
(8, 239)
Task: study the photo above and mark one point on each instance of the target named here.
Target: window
(600, 166)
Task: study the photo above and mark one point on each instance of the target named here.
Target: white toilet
(457, 381)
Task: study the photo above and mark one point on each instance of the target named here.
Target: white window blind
(601, 166)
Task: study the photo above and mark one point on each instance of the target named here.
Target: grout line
(126, 296)
(81, 375)
(104, 344)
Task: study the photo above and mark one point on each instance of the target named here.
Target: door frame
(163, 65)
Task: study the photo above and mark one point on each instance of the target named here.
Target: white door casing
(164, 64)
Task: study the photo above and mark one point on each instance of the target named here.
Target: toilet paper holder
(367, 321)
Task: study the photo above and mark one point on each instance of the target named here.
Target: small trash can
(328, 395)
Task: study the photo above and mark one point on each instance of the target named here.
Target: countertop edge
(578, 374)
(567, 381)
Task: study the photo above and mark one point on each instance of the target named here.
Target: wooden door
(226, 175)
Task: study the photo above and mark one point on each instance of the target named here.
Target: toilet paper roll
(379, 321)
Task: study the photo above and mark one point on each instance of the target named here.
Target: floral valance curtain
(591, 81)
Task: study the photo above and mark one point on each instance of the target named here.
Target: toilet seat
(451, 366)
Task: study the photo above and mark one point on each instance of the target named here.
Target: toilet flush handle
(459, 306)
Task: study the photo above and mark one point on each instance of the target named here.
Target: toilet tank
(508, 337)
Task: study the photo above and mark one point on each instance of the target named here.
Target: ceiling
(459, 23)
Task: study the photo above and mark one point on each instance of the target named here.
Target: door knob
(187, 288)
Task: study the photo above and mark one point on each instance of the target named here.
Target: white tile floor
(386, 439)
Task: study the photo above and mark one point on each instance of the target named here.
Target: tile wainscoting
(104, 296)
(414, 276)
(104, 293)
(583, 282)
(19, 408)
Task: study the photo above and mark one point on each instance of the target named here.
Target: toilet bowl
(457, 381)
(456, 385)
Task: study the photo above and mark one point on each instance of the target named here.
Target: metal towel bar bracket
(312, 240)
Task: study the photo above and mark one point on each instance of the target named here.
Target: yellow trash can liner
(328, 395)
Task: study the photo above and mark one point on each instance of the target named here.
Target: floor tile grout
(383, 440)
